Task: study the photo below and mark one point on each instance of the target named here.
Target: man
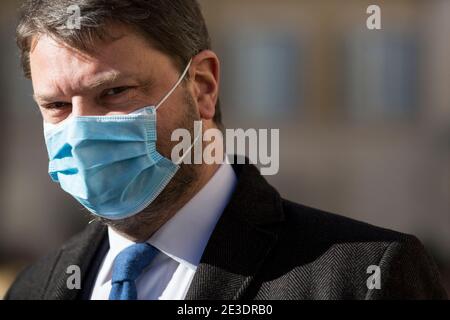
(166, 230)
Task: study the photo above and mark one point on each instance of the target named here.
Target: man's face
(120, 77)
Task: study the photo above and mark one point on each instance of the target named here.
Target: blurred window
(262, 73)
(380, 75)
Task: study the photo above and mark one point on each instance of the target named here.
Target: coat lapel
(81, 251)
(245, 234)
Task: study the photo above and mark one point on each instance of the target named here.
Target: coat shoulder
(321, 255)
(328, 227)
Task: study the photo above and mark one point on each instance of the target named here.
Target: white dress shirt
(181, 242)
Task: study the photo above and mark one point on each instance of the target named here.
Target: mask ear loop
(175, 86)
(183, 75)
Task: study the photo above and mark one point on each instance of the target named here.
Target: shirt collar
(185, 236)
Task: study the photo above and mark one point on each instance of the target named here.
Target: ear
(205, 77)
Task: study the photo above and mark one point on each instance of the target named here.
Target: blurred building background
(364, 117)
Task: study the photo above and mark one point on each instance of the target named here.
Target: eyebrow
(39, 98)
(104, 80)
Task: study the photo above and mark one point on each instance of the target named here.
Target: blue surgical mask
(110, 163)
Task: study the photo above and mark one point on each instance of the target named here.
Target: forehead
(124, 48)
(53, 63)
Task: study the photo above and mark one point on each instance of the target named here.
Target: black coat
(264, 247)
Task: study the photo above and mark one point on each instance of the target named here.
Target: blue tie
(128, 266)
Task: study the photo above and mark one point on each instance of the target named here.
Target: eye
(57, 105)
(115, 91)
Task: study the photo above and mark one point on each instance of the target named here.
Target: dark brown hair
(175, 27)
